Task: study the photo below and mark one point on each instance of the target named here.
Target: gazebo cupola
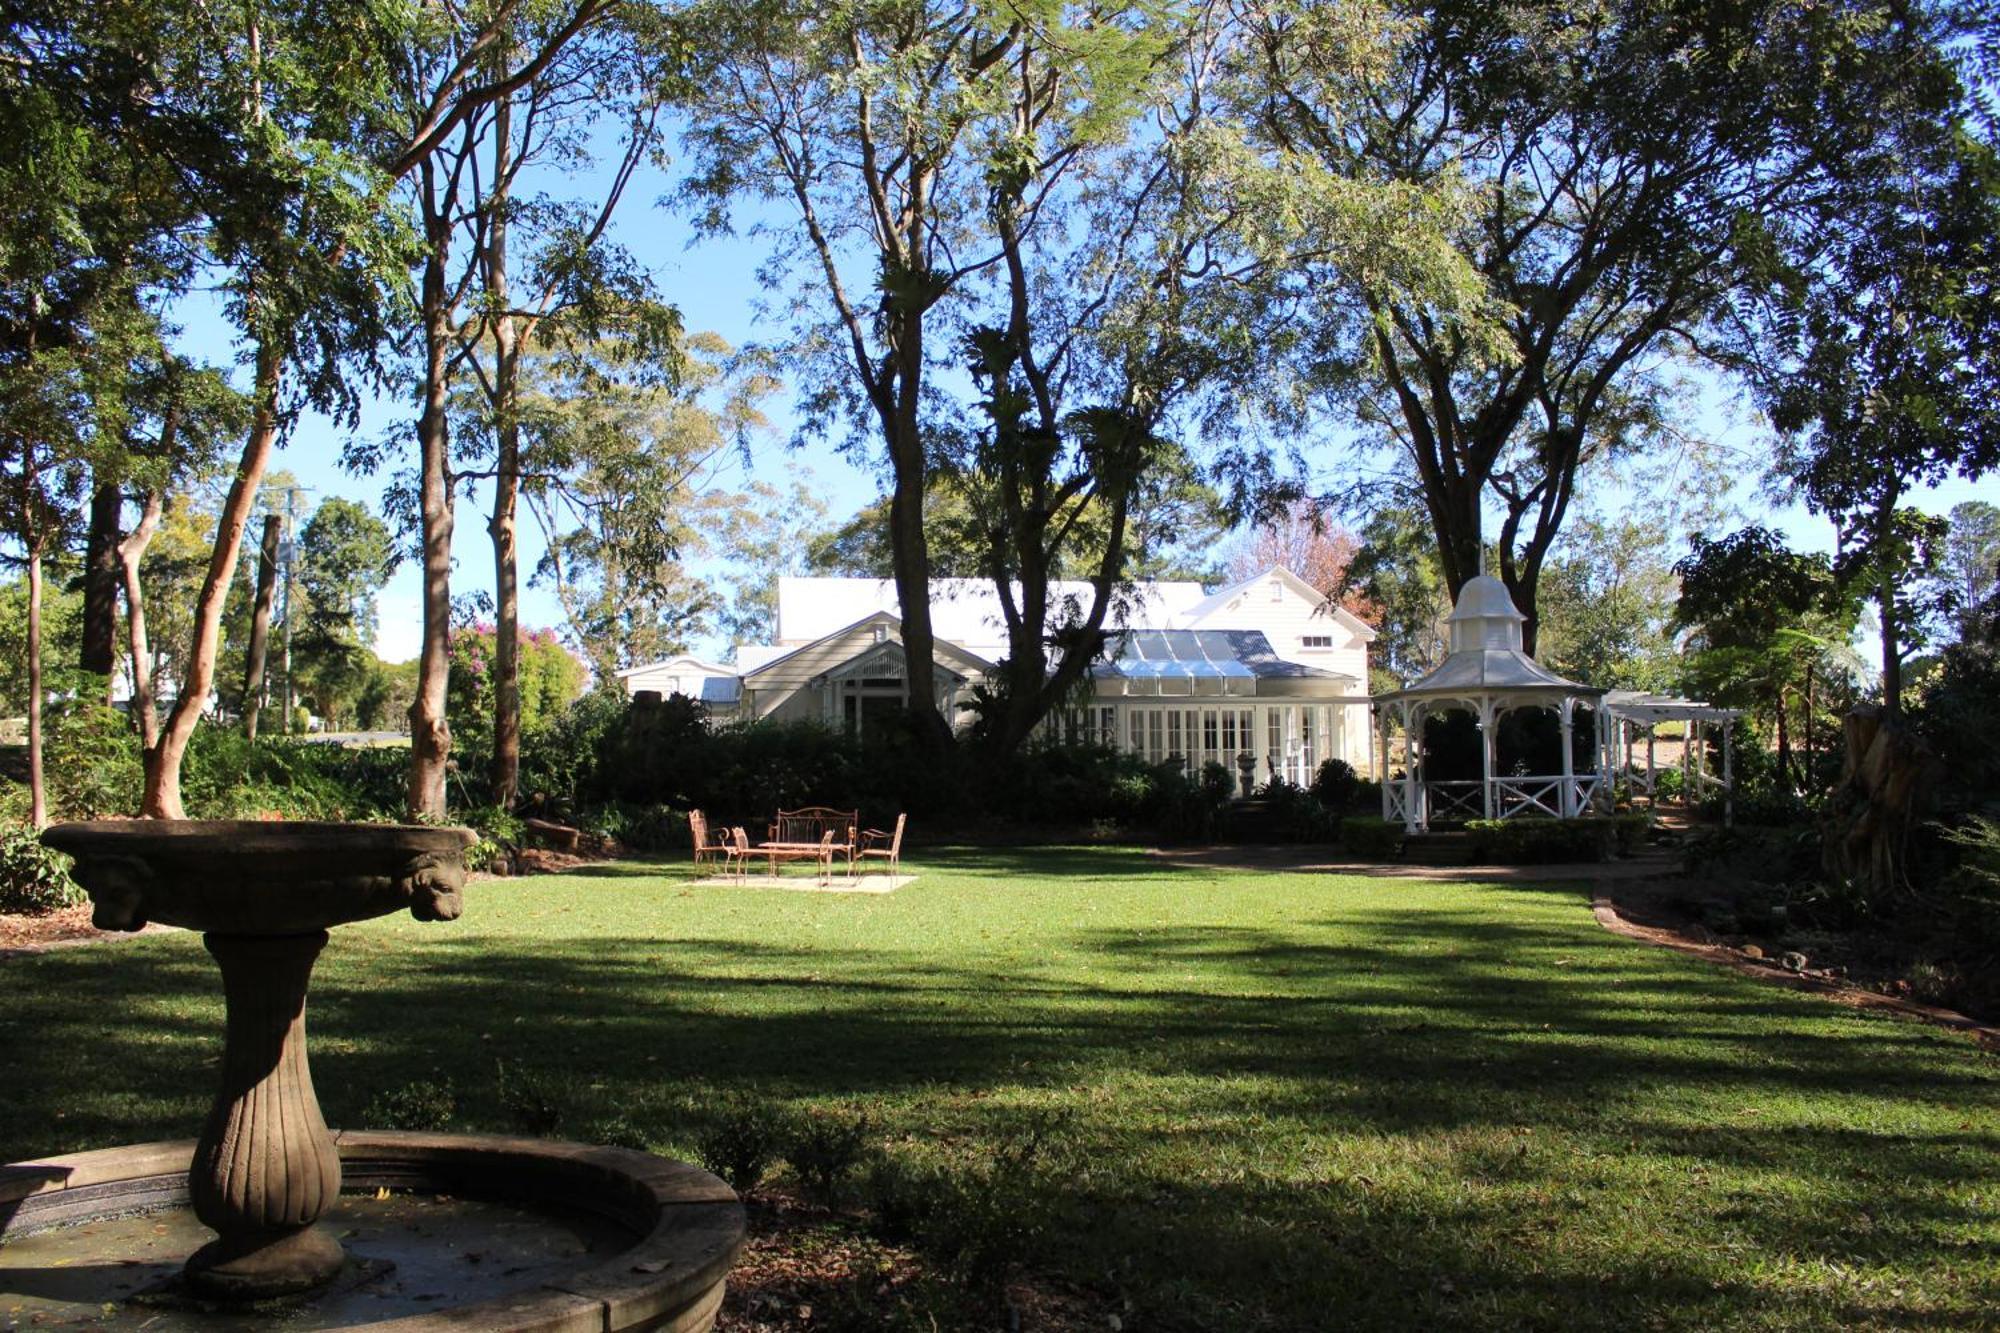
(1487, 674)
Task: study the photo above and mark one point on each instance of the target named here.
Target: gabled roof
(1202, 654)
(1219, 600)
(943, 648)
(965, 611)
(677, 660)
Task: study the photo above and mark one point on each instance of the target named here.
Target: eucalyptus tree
(452, 84)
(1627, 164)
(573, 283)
(851, 125)
(622, 449)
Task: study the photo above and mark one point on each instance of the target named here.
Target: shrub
(34, 881)
(741, 1143)
(420, 1104)
(643, 828)
(538, 1101)
(1335, 785)
(500, 832)
(1371, 838)
(1541, 841)
(825, 1149)
(1297, 816)
(92, 763)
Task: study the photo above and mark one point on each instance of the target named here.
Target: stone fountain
(266, 1169)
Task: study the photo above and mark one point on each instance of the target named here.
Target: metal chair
(893, 853)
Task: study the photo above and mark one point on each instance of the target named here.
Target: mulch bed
(808, 1267)
(1651, 911)
(31, 934)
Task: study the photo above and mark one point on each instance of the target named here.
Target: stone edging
(1840, 992)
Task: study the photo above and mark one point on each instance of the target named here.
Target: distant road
(360, 740)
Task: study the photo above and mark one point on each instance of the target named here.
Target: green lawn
(1266, 1100)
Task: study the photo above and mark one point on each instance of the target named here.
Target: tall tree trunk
(502, 527)
(1784, 745)
(100, 585)
(430, 733)
(163, 761)
(130, 552)
(38, 805)
(909, 547)
(1892, 647)
(260, 626)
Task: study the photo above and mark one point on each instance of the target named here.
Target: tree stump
(1887, 775)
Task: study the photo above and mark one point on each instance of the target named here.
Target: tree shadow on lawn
(1829, 1136)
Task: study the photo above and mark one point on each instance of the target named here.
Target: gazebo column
(1486, 730)
(1652, 779)
(1413, 817)
(1728, 776)
(1382, 740)
(1566, 712)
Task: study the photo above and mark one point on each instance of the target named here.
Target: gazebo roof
(1486, 656)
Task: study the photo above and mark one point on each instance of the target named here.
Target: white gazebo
(1487, 674)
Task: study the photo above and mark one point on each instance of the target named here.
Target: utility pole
(291, 546)
(287, 550)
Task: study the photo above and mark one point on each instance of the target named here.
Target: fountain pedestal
(265, 1167)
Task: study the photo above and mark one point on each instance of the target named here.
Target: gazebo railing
(1395, 802)
(1521, 796)
(1455, 800)
(1583, 791)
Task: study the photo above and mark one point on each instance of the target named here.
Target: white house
(1263, 667)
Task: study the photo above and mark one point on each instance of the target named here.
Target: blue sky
(715, 285)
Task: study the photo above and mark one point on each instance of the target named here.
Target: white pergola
(1635, 713)
(1487, 674)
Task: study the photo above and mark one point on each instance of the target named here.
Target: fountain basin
(262, 877)
(638, 1242)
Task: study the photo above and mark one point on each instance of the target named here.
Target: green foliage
(500, 832)
(825, 1148)
(92, 764)
(550, 680)
(742, 1141)
(226, 776)
(1371, 838)
(1298, 815)
(1336, 786)
(34, 881)
(1396, 572)
(559, 755)
(422, 1104)
(1974, 884)
(1526, 841)
(538, 1100)
(345, 557)
(641, 828)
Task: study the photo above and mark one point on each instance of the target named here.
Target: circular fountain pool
(442, 1232)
